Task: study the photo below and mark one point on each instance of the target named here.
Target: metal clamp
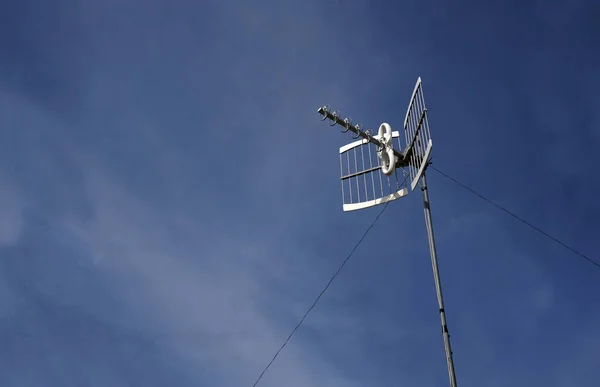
(358, 132)
(335, 114)
(348, 122)
(325, 111)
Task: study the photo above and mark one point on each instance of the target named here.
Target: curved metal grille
(363, 183)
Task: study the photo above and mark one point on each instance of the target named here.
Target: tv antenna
(364, 185)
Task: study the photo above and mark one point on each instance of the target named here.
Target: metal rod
(362, 153)
(341, 173)
(356, 170)
(381, 182)
(363, 172)
(349, 182)
(372, 177)
(438, 285)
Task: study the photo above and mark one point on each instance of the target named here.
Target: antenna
(361, 162)
(361, 172)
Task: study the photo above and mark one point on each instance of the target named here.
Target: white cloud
(202, 287)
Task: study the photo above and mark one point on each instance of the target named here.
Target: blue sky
(170, 200)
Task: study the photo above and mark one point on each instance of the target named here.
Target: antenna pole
(438, 285)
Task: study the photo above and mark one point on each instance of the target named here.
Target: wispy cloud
(12, 222)
(170, 201)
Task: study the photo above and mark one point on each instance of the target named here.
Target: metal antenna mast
(357, 171)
